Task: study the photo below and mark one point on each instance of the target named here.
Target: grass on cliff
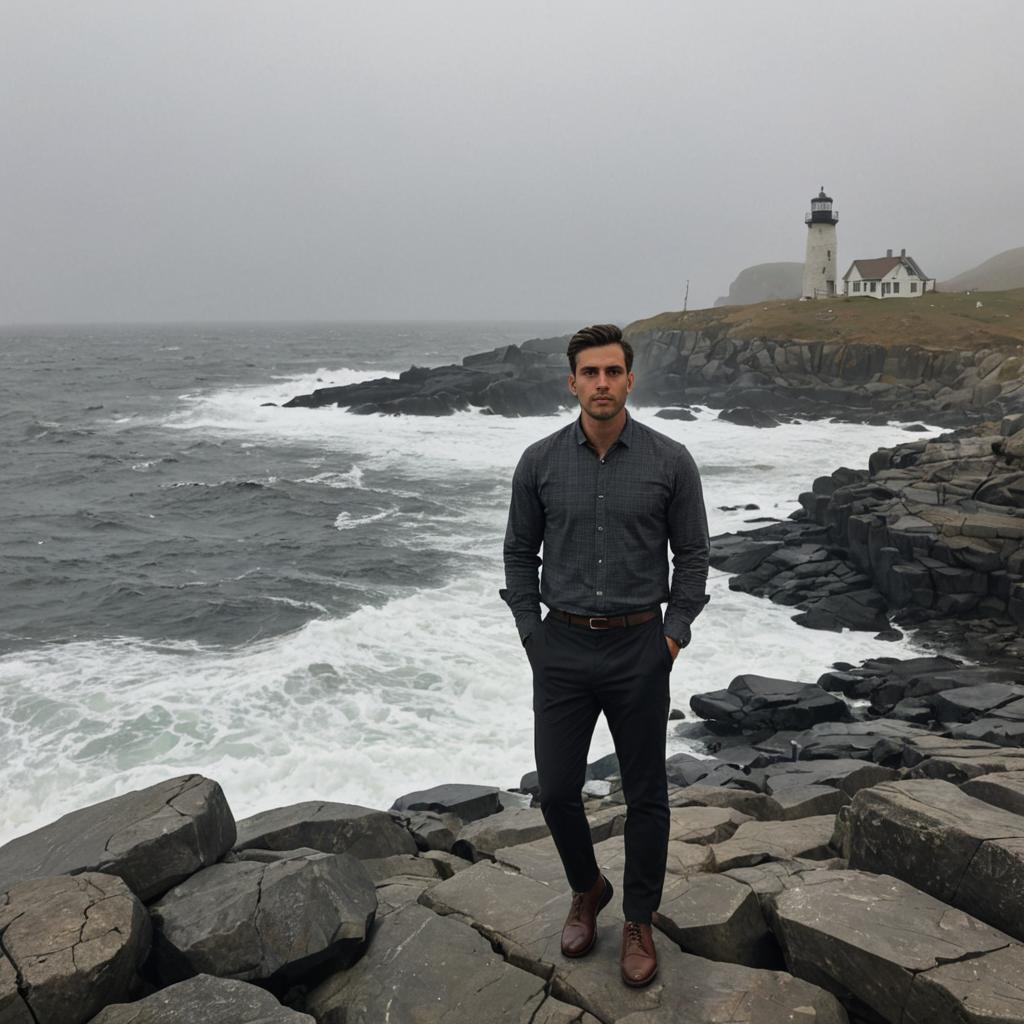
(935, 320)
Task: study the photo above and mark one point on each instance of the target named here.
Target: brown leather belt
(605, 621)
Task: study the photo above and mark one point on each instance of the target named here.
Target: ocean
(303, 603)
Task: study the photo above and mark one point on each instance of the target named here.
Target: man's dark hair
(598, 334)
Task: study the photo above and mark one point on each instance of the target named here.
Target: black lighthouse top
(821, 210)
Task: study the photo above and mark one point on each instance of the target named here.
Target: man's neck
(602, 434)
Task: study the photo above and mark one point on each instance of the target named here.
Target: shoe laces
(634, 934)
(576, 909)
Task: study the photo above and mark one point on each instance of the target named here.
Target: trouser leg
(634, 695)
(565, 713)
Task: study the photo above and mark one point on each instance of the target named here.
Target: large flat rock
(524, 918)
(207, 999)
(1003, 789)
(70, 945)
(433, 970)
(959, 849)
(328, 827)
(466, 801)
(254, 919)
(152, 838)
(879, 943)
(753, 702)
(758, 841)
(481, 838)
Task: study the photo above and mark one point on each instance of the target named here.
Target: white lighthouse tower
(820, 261)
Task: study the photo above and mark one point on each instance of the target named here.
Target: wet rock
(957, 848)
(876, 942)
(68, 946)
(718, 918)
(327, 827)
(754, 702)
(466, 801)
(749, 417)
(418, 984)
(758, 841)
(207, 999)
(524, 919)
(253, 919)
(152, 838)
(481, 838)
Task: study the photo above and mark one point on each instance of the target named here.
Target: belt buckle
(598, 618)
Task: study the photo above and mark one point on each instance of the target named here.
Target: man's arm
(688, 539)
(523, 537)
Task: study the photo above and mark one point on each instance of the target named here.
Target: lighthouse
(820, 261)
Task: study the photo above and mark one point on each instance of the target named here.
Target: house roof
(874, 270)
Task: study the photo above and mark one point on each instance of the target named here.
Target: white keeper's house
(887, 277)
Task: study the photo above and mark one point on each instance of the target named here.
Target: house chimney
(903, 252)
(888, 252)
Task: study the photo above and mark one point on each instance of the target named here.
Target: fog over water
(564, 160)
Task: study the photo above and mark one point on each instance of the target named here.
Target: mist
(463, 160)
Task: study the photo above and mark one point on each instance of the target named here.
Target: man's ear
(630, 381)
(572, 383)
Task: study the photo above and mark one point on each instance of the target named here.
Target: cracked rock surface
(153, 838)
(328, 827)
(758, 841)
(207, 999)
(963, 851)
(879, 943)
(257, 918)
(523, 918)
(425, 968)
(68, 946)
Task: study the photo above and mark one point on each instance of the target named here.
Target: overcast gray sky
(470, 159)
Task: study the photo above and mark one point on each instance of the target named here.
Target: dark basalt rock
(279, 913)
(675, 414)
(68, 946)
(465, 800)
(746, 417)
(152, 838)
(757, 702)
(207, 999)
(328, 827)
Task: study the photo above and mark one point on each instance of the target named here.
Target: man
(605, 496)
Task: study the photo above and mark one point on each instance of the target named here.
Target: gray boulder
(878, 943)
(445, 972)
(754, 702)
(959, 849)
(758, 841)
(465, 800)
(481, 838)
(68, 946)
(1003, 789)
(207, 999)
(262, 918)
(880, 740)
(327, 827)
(523, 918)
(152, 838)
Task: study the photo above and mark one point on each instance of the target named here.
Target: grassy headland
(935, 320)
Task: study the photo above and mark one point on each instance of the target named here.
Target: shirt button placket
(600, 520)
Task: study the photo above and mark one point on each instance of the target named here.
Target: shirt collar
(625, 437)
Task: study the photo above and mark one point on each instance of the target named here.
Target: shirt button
(600, 593)
(602, 462)
(600, 529)
(600, 495)
(600, 561)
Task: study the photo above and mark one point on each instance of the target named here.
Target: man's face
(601, 382)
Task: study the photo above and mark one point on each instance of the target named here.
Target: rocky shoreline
(830, 860)
(766, 379)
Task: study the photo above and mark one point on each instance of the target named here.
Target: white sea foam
(432, 686)
(347, 521)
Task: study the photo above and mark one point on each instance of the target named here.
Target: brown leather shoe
(579, 933)
(639, 960)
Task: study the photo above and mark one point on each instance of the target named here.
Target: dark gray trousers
(577, 674)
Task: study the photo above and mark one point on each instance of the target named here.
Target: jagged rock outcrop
(764, 282)
(152, 838)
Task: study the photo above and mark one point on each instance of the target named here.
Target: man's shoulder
(659, 443)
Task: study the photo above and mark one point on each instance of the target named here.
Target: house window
(913, 286)
(873, 285)
(856, 286)
(829, 251)
(885, 287)
(895, 287)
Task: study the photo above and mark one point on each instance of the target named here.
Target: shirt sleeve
(688, 539)
(523, 537)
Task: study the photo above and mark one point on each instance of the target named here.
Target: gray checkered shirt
(604, 524)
